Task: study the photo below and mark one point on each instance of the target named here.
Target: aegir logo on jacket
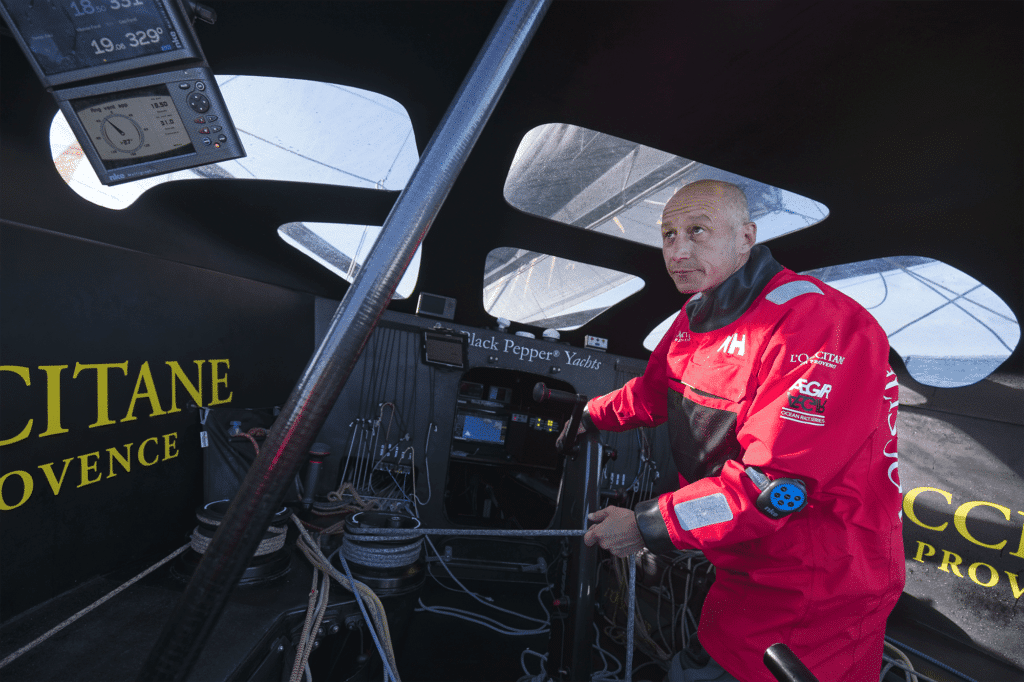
(806, 402)
(734, 344)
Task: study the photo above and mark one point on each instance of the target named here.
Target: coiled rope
(380, 556)
(200, 542)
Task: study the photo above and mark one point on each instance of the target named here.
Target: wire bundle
(486, 621)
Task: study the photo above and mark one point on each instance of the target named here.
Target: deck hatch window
(598, 182)
(339, 136)
(547, 291)
(949, 328)
(343, 249)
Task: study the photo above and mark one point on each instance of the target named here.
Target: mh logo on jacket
(734, 344)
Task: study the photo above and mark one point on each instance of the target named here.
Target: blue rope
(930, 659)
(366, 617)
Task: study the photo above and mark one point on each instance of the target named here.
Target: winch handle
(785, 666)
(541, 393)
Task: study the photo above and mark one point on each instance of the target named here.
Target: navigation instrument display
(127, 128)
(135, 128)
(481, 429)
(71, 40)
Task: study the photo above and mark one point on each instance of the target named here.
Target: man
(768, 381)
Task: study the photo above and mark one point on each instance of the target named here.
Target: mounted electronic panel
(107, 63)
(139, 127)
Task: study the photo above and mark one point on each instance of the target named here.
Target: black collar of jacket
(725, 303)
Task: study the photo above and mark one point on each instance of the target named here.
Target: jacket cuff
(652, 527)
(585, 421)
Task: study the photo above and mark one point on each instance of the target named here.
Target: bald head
(732, 201)
(706, 234)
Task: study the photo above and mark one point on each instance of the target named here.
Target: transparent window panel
(599, 182)
(948, 327)
(551, 292)
(344, 248)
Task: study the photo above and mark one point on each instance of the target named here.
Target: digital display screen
(443, 349)
(70, 35)
(545, 425)
(134, 126)
(480, 429)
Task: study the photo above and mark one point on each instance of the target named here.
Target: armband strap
(780, 497)
(652, 527)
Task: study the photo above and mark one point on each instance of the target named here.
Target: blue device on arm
(780, 497)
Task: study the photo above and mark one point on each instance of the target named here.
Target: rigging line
(374, 363)
(385, 370)
(926, 281)
(408, 387)
(307, 158)
(399, 488)
(397, 155)
(414, 361)
(401, 392)
(391, 367)
(355, 92)
(365, 362)
(653, 189)
(369, 361)
(383, 534)
(952, 301)
(110, 595)
(501, 291)
(389, 673)
(354, 261)
(632, 164)
(586, 144)
(379, 373)
(885, 296)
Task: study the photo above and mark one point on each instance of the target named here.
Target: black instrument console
(149, 125)
(132, 81)
(497, 420)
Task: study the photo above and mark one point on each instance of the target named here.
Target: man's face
(703, 240)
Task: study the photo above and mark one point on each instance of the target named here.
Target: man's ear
(748, 235)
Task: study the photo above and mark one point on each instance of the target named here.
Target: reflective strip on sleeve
(703, 511)
(790, 290)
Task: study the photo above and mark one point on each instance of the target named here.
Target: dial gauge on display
(122, 133)
(140, 125)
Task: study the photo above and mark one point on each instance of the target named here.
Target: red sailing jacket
(781, 372)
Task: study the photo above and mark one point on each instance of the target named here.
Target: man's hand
(586, 424)
(617, 531)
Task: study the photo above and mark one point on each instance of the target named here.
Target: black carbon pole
(286, 447)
